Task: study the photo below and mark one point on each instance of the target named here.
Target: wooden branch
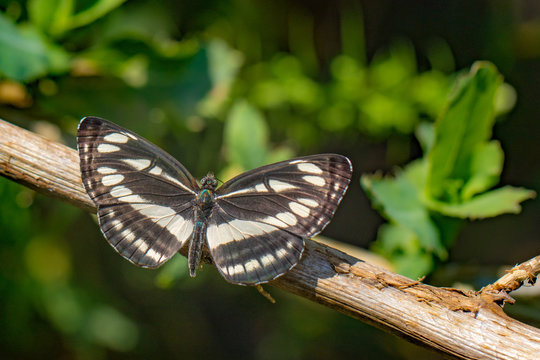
(516, 277)
(465, 325)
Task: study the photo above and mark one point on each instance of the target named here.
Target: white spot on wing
(156, 170)
(315, 180)
(119, 191)
(299, 209)
(236, 230)
(185, 231)
(281, 253)
(258, 188)
(252, 265)
(287, 218)
(237, 269)
(237, 192)
(138, 164)
(153, 254)
(278, 186)
(103, 170)
(141, 245)
(153, 210)
(128, 235)
(309, 168)
(110, 180)
(107, 148)
(116, 138)
(176, 225)
(133, 199)
(116, 224)
(268, 259)
(261, 188)
(308, 202)
(273, 221)
(174, 180)
(296, 162)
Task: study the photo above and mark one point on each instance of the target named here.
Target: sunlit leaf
(465, 124)
(496, 202)
(486, 166)
(399, 200)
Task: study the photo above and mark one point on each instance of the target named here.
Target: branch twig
(515, 277)
(465, 325)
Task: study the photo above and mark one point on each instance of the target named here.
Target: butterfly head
(209, 182)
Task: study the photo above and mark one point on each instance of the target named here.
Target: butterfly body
(254, 225)
(205, 203)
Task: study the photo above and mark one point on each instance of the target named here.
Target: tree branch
(465, 325)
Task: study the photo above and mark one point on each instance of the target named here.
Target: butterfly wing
(145, 198)
(261, 217)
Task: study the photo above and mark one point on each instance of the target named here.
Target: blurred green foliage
(459, 166)
(212, 84)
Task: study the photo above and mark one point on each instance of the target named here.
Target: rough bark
(469, 325)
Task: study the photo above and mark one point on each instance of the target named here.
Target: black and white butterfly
(254, 225)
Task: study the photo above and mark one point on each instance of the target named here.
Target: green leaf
(461, 129)
(26, 55)
(55, 17)
(400, 202)
(490, 204)
(246, 136)
(401, 246)
(425, 133)
(486, 166)
(99, 9)
(51, 16)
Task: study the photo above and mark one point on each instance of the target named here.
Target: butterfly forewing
(145, 198)
(298, 195)
(275, 207)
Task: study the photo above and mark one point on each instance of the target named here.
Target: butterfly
(254, 225)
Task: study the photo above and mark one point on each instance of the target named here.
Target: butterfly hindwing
(274, 207)
(249, 252)
(145, 198)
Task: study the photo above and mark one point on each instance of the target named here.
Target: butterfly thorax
(208, 186)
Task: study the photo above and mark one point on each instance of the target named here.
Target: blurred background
(228, 86)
